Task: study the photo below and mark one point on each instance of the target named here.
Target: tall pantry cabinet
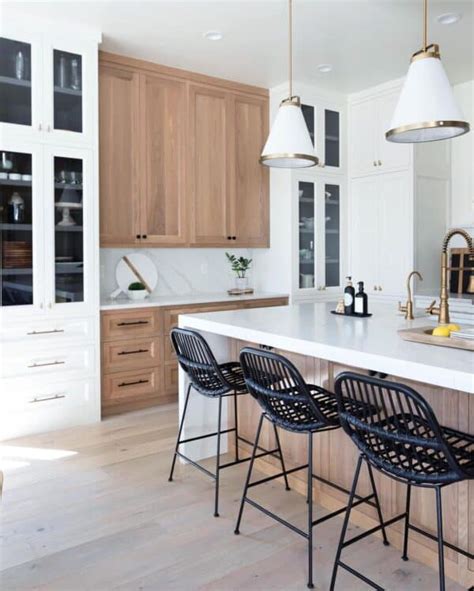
(398, 199)
(48, 229)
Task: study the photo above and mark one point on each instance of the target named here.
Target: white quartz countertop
(123, 302)
(367, 343)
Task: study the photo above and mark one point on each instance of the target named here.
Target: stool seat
(432, 466)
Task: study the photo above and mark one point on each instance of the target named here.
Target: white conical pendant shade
(289, 143)
(426, 110)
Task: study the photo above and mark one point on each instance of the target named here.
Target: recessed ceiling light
(213, 35)
(324, 68)
(449, 18)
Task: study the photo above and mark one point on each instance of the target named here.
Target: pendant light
(426, 110)
(289, 144)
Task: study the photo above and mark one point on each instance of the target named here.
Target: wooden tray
(351, 315)
(422, 335)
(238, 292)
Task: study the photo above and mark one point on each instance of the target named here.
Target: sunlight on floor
(16, 456)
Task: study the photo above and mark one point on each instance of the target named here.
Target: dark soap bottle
(349, 297)
(360, 300)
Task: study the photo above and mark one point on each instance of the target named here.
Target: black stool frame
(214, 381)
(280, 389)
(405, 442)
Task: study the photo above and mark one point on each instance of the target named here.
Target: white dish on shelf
(14, 176)
(3, 175)
(26, 177)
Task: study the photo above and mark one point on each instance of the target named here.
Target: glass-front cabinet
(324, 126)
(44, 228)
(317, 239)
(46, 88)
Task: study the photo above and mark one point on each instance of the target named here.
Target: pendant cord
(290, 41)
(425, 24)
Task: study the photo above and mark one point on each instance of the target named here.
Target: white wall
(462, 183)
(180, 270)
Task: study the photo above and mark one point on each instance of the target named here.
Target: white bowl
(137, 294)
(14, 176)
(26, 177)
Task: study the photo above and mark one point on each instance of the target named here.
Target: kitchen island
(322, 345)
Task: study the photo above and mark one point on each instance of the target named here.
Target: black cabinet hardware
(138, 236)
(135, 323)
(133, 352)
(133, 383)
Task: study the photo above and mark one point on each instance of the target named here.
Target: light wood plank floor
(91, 508)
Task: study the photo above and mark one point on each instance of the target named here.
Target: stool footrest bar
(274, 476)
(276, 517)
(360, 576)
(342, 510)
(241, 461)
(435, 539)
(196, 465)
(371, 531)
(205, 436)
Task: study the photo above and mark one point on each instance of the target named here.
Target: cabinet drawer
(50, 331)
(20, 361)
(41, 406)
(171, 315)
(130, 323)
(128, 385)
(130, 354)
(171, 378)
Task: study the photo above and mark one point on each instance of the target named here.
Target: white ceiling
(366, 41)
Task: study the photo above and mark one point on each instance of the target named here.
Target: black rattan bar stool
(218, 381)
(403, 440)
(292, 404)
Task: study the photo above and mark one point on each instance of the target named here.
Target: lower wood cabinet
(139, 366)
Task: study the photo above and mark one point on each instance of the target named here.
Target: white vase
(241, 282)
(137, 294)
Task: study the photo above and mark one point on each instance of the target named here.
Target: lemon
(441, 331)
(454, 327)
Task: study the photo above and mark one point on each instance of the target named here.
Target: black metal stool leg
(439, 515)
(236, 432)
(345, 524)
(407, 523)
(280, 451)
(216, 500)
(249, 474)
(170, 478)
(377, 503)
(310, 511)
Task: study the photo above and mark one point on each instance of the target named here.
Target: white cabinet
(48, 86)
(370, 153)
(318, 227)
(381, 238)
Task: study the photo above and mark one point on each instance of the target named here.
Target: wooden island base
(335, 460)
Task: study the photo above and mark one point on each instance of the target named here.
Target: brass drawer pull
(46, 364)
(123, 384)
(133, 352)
(135, 323)
(54, 331)
(45, 398)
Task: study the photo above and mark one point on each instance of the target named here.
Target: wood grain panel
(171, 378)
(163, 124)
(209, 166)
(126, 324)
(130, 354)
(249, 193)
(118, 154)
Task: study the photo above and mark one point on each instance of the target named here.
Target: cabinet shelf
(329, 231)
(18, 271)
(16, 227)
(306, 230)
(11, 183)
(15, 82)
(67, 91)
(68, 228)
(67, 186)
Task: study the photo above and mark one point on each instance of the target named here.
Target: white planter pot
(241, 282)
(137, 294)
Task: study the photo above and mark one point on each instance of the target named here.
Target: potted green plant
(137, 291)
(240, 266)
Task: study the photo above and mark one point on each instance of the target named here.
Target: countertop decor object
(237, 292)
(423, 335)
(289, 144)
(137, 291)
(137, 274)
(126, 272)
(354, 315)
(426, 110)
(240, 266)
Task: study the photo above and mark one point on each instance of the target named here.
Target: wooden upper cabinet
(118, 153)
(249, 190)
(163, 125)
(208, 166)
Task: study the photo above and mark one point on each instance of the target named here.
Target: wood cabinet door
(163, 124)
(209, 166)
(249, 188)
(119, 156)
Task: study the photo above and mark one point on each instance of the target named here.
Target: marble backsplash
(180, 270)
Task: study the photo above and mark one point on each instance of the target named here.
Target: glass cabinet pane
(332, 214)
(15, 82)
(69, 233)
(16, 229)
(308, 114)
(331, 138)
(306, 214)
(67, 91)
